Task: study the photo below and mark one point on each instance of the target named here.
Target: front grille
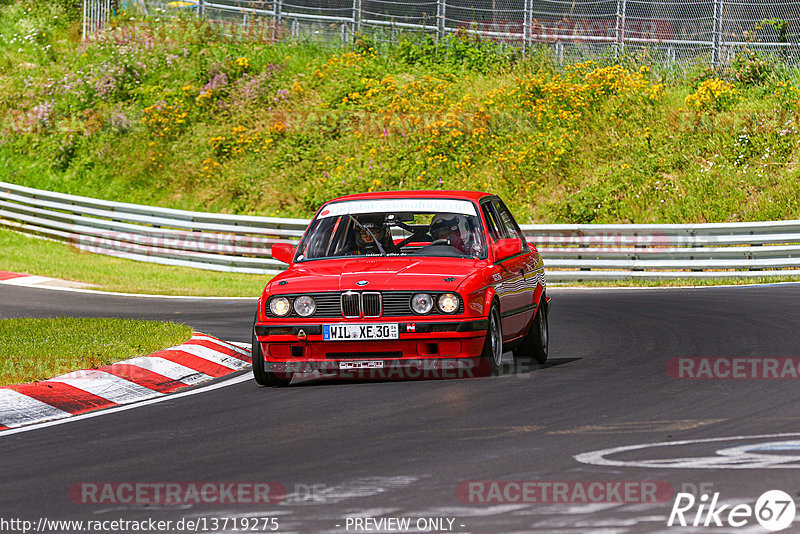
(327, 304)
(397, 303)
(371, 304)
(350, 305)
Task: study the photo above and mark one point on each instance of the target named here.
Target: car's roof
(464, 195)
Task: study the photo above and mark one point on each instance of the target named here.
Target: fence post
(621, 13)
(441, 10)
(716, 36)
(201, 8)
(277, 7)
(527, 18)
(357, 16)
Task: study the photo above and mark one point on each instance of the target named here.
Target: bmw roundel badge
(362, 283)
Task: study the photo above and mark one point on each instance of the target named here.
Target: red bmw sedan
(403, 284)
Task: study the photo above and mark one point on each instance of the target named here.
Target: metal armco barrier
(236, 243)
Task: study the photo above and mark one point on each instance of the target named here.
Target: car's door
(513, 274)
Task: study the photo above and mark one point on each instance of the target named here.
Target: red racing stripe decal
(63, 396)
(195, 362)
(143, 377)
(220, 348)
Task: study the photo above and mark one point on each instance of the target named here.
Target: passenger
(448, 227)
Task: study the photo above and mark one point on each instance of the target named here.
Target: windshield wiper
(380, 248)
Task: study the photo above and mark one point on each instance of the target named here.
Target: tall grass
(178, 114)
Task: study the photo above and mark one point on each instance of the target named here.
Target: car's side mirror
(283, 252)
(505, 248)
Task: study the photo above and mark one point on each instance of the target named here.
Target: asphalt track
(401, 449)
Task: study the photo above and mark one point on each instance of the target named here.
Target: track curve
(403, 448)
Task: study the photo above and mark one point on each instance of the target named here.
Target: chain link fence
(665, 31)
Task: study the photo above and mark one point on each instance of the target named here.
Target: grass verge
(37, 349)
(24, 254)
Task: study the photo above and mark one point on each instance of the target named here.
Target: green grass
(178, 115)
(37, 349)
(29, 255)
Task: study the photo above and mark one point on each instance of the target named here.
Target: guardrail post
(441, 13)
(621, 14)
(357, 16)
(716, 35)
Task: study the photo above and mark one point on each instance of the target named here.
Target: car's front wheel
(493, 346)
(262, 376)
(534, 345)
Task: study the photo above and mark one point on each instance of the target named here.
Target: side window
(495, 229)
(508, 222)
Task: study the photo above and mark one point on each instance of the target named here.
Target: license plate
(370, 364)
(358, 332)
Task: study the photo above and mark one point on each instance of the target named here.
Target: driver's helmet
(449, 226)
(375, 225)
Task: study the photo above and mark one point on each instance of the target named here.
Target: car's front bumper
(421, 348)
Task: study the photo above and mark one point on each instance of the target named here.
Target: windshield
(394, 227)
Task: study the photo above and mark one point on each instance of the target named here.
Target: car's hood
(380, 274)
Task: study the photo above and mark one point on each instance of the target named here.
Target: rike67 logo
(774, 510)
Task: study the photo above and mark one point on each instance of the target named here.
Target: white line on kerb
(228, 382)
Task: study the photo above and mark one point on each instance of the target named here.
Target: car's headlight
(421, 303)
(305, 306)
(280, 306)
(448, 302)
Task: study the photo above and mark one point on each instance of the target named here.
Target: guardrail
(237, 243)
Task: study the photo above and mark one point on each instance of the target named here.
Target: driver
(448, 227)
(364, 242)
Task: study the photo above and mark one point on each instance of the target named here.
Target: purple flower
(219, 80)
(120, 120)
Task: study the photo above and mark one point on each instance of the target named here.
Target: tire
(262, 376)
(493, 346)
(534, 345)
